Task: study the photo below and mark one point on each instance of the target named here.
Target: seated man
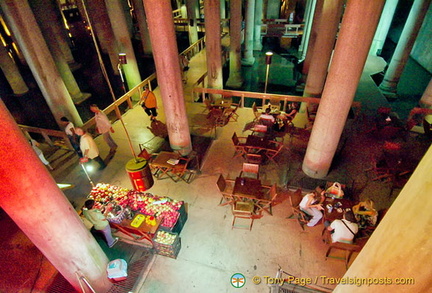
(311, 205)
(344, 230)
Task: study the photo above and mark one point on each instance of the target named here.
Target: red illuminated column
(30, 196)
(326, 34)
(166, 57)
(213, 43)
(350, 55)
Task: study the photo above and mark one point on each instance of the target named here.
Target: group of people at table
(342, 224)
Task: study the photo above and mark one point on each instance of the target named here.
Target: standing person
(100, 223)
(38, 151)
(104, 127)
(184, 66)
(89, 148)
(73, 137)
(148, 102)
(344, 230)
(311, 205)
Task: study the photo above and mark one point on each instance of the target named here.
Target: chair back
(207, 103)
(254, 107)
(295, 198)
(221, 183)
(251, 168)
(273, 192)
(235, 139)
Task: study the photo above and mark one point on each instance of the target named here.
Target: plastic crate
(169, 250)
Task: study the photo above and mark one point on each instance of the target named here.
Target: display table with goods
(139, 216)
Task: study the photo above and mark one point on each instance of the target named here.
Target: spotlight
(122, 58)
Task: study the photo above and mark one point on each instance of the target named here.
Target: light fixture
(268, 61)
(122, 58)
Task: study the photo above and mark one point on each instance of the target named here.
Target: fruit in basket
(165, 237)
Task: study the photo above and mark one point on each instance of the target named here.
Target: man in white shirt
(104, 127)
(73, 137)
(344, 230)
(89, 148)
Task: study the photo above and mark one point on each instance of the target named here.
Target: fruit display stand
(136, 215)
(167, 244)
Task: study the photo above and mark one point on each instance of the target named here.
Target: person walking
(104, 127)
(73, 137)
(149, 104)
(89, 148)
(38, 151)
(100, 223)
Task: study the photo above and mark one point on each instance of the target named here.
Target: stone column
(222, 9)
(235, 79)
(352, 48)
(308, 21)
(312, 39)
(119, 25)
(426, 99)
(165, 54)
(258, 23)
(29, 38)
(399, 248)
(404, 46)
(273, 9)
(12, 73)
(213, 44)
(39, 208)
(101, 24)
(191, 7)
(142, 24)
(383, 27)
(48, 20)
(248, 58)
(327, 29)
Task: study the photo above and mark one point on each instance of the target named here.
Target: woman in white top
(311, 205)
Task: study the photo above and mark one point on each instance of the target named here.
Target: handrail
(46, 133)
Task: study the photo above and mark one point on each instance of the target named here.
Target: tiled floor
(211, 250)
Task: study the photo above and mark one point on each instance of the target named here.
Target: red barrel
(139, 173)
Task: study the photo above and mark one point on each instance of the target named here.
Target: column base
(234, 81)
(317, 174)
(81, 97)
(248, 61)
(258, 46)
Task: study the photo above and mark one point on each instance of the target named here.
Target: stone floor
(211, 250)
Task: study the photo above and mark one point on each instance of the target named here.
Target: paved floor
(211, 250)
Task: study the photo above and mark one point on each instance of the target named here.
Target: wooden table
(143, 232)
(334, 214)
(249, 189)
(253, 141)
(163, 168)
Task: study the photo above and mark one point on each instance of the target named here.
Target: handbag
(335, 190)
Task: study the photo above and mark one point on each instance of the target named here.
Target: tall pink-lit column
(350, 55)
(23, 24)
(166, 57)
(30, 196)
(324, 43)
(213, 43)
(404, 46)
(235, 79)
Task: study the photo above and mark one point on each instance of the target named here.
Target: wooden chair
(207, 106)
(268, 201)
(232, 112)
(347, 248)
(294, 200)
(276, 148)
(250, 170)
(243, 210)
(255, 111)
(240, 147)
(254, 158)
(226, 187)
(185, 168)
